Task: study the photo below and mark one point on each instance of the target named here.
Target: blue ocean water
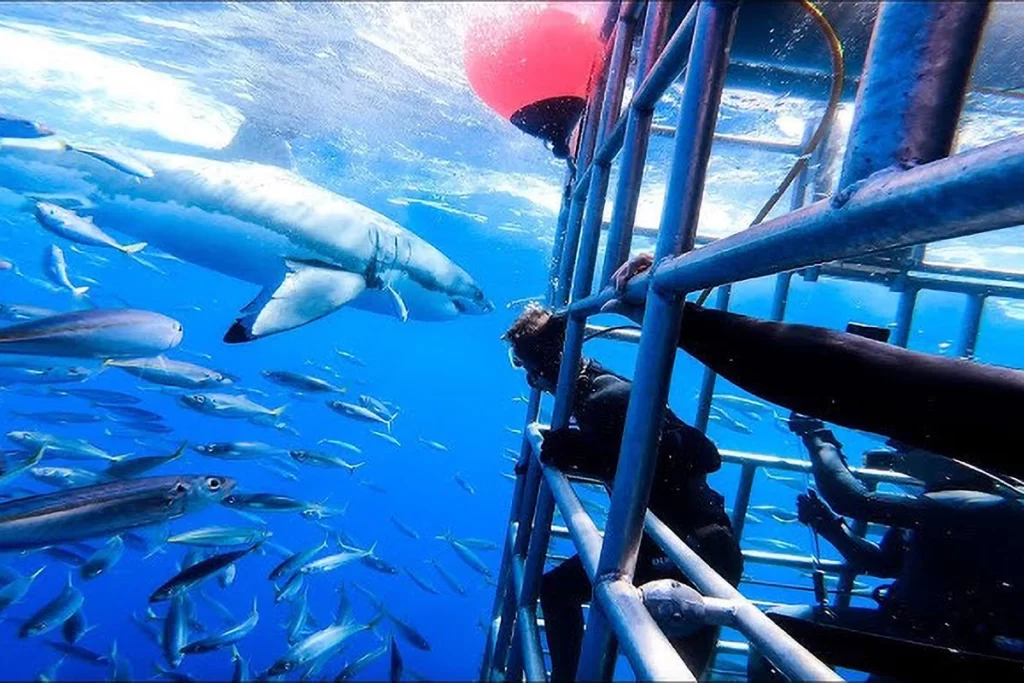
(378, 110)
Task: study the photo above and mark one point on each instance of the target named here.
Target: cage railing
(910, 193)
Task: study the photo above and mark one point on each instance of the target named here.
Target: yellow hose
(838, 78)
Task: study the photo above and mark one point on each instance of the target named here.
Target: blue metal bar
(527, 634)
(742, 502)
(648, 650)
(587, 236)
(702, 91)
(780, 297)
(567, 257)
(970, 327)
(904, 316)
(969, 193)
(669, 64)
(525, 494)
(764, 144)
(915, 78)
(584, 533)
(781, 650)
(774, 462)
(707, 382)
(637, 133)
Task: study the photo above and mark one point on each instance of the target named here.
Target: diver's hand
(815, 513)
(806, 427)
(640, 263)
(558, 447)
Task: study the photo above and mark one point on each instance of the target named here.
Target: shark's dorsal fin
(255, 141)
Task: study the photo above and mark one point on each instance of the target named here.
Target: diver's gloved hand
(640, 263)
(558, 447)
(806, 427)
(815, 513)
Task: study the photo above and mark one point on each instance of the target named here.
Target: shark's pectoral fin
(398, 305)
(307, 292)
(117, 159)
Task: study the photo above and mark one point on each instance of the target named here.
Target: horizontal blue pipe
(973, 192)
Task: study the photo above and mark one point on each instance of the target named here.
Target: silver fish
(324, 460)
(175, 631)
(226, 637)
(318, 645)
(352, 669)
(238, 450)
(16, 590)
(422, 583)
(295, 380)
(387, 437)
(64, 477)
(341, 444)
(190, 576)
(172, 373)
(405, 528)
(216, 536)
(133, 467)
(228, 406)
(55, 265)
(408, 632)
(61, 448)
(70, 225)
(96, 333)
(359, 413)
(54, 613)
(332, 562)
(105, 509)
(292, 563)
(103, 559)
(437, 446)
(17, 127)
(447, 577)
(463, 484)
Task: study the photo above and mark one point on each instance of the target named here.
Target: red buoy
(534, 67)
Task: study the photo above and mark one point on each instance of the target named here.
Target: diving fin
(307, 292)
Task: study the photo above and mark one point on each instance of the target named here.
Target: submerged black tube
(952, 407)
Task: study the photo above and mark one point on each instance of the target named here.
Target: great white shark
(311, 250)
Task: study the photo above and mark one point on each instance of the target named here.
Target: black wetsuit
(952, 407)
(680, 497)
(955, 557)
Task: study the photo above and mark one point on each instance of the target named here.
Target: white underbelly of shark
(310, 250)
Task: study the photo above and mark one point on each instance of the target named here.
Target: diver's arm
(863, 555)
(572, 452)
(848, 496)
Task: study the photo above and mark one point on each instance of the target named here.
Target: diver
(920, 400)
(954, 553)
(680, 495)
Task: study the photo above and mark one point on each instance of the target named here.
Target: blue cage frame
(899, 189)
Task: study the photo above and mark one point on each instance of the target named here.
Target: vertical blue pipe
(707, 382)
(702, 92)
(915, 79)
(634, 155)
(904, 316)
(496, 649)
(971, 326)
(536, 541)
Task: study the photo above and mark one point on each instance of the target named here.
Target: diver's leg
(563, 590)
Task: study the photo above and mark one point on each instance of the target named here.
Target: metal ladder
(907, 108)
